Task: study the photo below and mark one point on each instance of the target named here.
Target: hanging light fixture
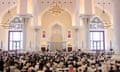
(56, 9)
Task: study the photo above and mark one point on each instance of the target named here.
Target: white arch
(107, 12)
(98, 18)
(47, 9)
(5, 12)
(10, 8)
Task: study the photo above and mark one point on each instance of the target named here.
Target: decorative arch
(98, 7)
(64, 20)
(96, 23)
(47, 9)
(16, 23)
(42, 13)
(5, 16)
(106, 17)
(10, 8)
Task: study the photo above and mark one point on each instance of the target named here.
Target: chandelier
(56, 9)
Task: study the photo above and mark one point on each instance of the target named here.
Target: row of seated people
(58, 62)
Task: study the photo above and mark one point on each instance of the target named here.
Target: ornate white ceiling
(103, 4)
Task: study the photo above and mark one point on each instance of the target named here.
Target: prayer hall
(59, 36)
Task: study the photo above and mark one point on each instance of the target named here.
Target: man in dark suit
(1, 64)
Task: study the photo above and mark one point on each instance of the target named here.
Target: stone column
(22, 7)
(77, 37)
(36, 29)
(86, 42)
(88, 12)
(35, 23)
(22, 12)
(35, 12)
(77, 13)
(25, 25)
(77, 24)
(116, 20)
(88, 7)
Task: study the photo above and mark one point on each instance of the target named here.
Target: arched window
(97, 40)
(15, 34)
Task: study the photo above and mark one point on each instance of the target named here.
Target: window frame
(20, 40)
(103, 36)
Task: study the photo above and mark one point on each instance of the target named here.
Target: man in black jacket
(1, 64)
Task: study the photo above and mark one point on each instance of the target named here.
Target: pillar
(36, 29)
(35, 12)
(25, 23)
(22, 12)
(88, 13)
(86, 39)
(35, 23)
(89, 7)
(77, 24)
(22, 7)
(77, 37)
(116, 20)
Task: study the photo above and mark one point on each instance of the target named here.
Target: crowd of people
(57, 62)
